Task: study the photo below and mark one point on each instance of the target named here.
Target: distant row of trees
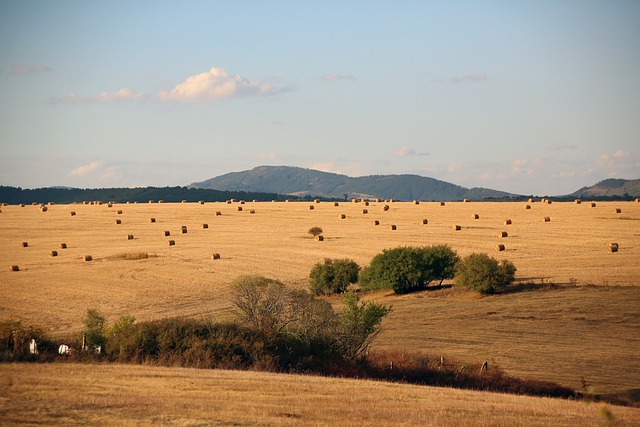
(409, 269)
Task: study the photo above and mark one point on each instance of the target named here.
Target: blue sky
(533, 97)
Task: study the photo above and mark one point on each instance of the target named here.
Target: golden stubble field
(562, 334)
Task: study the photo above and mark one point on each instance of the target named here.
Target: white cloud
(121, 95)
(29, 68)
(565, 146)
(86, 169)
(333, 77)
(405, 152)
(215, 85)
(454, 167)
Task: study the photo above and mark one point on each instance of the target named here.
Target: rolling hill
(611, 188)
(300, 181)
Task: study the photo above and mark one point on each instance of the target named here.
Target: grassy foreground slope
(72, 394)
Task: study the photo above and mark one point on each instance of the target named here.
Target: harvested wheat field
(588, 325)
(140, 395)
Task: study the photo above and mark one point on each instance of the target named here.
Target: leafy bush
(315, 231)
(408, 269)
(15, 337)
(333, 276)
(95, 329)
(485, 274)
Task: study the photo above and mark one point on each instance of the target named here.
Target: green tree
(359, 324)
(333, 276)
(315, 231)
(408, 269)
(483, 273)
(95, 329)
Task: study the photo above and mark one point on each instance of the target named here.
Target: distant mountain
(300, 182)
(611, 188)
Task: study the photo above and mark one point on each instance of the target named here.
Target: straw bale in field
(385, 208)
(527, 206)
(311, 207)
(22, 205)
(466, 200)
(14, 268)
(129, 236)
(547, 219)
(393, 227)
(151, 201)
(53, 253)
(593, 205)
(336, 204)
(618, 210)
(500, 247)
(316, 201)
(364, 202)
(119, 212)
(425, 221)
(201, 202)
(218, 213)
(172, 242)
(365, 211)
(152, 220)
(184, 201)
(87, 258)
(43, 208)
(507, 222)
(239, 208)
(416, 202)
(319, 238)
(503, 234)
(342, 216)
(72, 213)
(167, 233)
(25, 244)
(183, 229)
(475, 216)
(118, 221)
(456, 228)
(441, 203)
(252, 211)
(376, 222)
(63, 246)
(205, 226)
(613, 247)
(215, 256)
(578, 201)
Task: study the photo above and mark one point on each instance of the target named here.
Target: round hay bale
(118, 221)
(14, 268)
(364, 202)
(72, 213)
(354, 200)
(319, 238)
(531, 200)
(167, 233)
(465, 200)
(507, 222)
(365, 211)
(172, 242)
(43, 208)
(425, 221)
(87, 258)
(254, 201)
(183, 230)
(129, 236)
(441, 203)
(151, 201)
(53, 253)
(342, 216)
(63, 246)
(385, 208)
(184, 201)
(475, 216)
(336, 204)
(205, 226)
(638, 200)
(503, 234)
(239, 208)
(391, 200)
(547, 219)
(618, 210)
(578, 201)
(201, 202)
(22, 205)
(110, 205)
(316, 201)
(218, 213)
(252, 211)
(416, 202)
(50, 203)
(311, 207)
(228, 202)
(25, 244)
(393, 227)
(527, 206)
(152, 220)
(456, 228)
(215, 256)
(241, 202)
(593, 205)
(548, 201)
(613, 247)
(500, 247)
(119, 212)
(376, 222)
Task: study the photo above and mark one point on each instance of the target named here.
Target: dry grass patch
(131, 256)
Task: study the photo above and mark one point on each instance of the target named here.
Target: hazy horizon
(531, 97)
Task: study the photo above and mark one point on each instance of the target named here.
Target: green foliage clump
(333, 276)
(359, 325)
(485, 274)
(408, 269)
(95, 329)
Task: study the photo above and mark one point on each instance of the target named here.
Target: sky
(534, 97)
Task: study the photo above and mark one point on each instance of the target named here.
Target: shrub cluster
(408, 269)
(485, 274)
(333, 276)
